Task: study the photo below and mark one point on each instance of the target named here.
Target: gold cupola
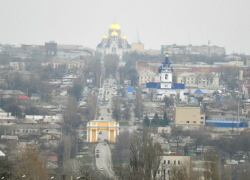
(124, 37)
(114, 33)
(115, 26)
(105, 37)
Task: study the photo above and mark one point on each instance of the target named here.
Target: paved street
(104, 161)
(108, 105)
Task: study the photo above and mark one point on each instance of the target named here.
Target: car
(139, 129)
(97, 151)
(101, 118)
(100, 132)
(101, 169)
(85, 147)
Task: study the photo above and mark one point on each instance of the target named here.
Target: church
(165, 86)
(114, 42)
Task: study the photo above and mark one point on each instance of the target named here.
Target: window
(168, 171)
(164, 162)
(174, 162)
(187, 122)
(168, 161)
(202, 122)
(194, 122)
(179, 162)
(159, 171)
(202, 117)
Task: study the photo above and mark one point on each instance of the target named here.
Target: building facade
(189, 117)
(189, 49)
(146, 75)
(114, 42)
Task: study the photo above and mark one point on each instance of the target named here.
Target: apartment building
(189, 117)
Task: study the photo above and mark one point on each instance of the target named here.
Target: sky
(225, 23)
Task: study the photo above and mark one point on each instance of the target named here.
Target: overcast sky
(224, 22)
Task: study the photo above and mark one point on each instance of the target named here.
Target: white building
(165, 86)
(171, 160)
(199, 80)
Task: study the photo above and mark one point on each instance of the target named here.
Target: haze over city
(224, 23)
(124, 90)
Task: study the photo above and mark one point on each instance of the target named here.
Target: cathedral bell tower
(166, 74)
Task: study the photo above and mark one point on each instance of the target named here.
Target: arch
(95, 126)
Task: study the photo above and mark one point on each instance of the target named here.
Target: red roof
(48, 153)
(23, 97)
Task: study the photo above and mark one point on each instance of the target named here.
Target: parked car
(101, 169)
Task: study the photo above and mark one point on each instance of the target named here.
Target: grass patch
(86, 159)
(84, 136)
(123, 123)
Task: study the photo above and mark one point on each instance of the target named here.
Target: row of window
(202, 122)
(169, 162)
(228, 119)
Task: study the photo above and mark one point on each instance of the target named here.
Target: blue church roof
(155, 85)
(130, 89)
(198, 91)
(178, 86)
(165, 64)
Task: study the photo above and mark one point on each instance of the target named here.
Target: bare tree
(211, 166)
(176, 134)
(181, 172)
(31, 165)
(116, 112)
(126, 112)
(138, 103)
(145, 156)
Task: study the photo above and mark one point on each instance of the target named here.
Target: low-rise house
(170, 160)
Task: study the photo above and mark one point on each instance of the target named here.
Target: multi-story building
(201, 80)
(170, 160)
(189, 117)
(189, 49)
(147, 75)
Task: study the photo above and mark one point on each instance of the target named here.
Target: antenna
(138, 39)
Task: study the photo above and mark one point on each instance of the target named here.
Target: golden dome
(114, 33)
(105, 37)
(124, 37)
(115, 26)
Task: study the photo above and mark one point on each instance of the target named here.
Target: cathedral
(114, 42)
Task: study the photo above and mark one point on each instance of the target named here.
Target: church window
(166, 76)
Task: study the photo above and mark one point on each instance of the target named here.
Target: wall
(190, 117)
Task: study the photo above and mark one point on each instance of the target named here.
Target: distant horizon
(168, 22)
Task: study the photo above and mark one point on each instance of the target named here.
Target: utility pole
(238, 116)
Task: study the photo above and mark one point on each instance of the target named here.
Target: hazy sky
(84, 22)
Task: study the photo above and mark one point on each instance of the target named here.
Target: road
(104, 161)
(108, 95)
